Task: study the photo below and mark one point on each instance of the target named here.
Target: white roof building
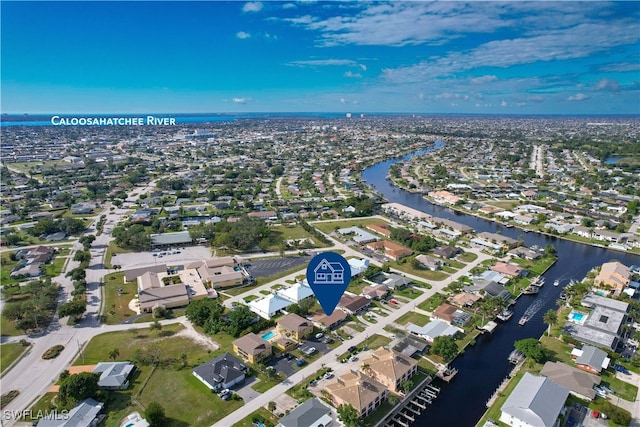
(268, 306)
(535, 402)
(358, 266)
(433, 329)
(296, 293)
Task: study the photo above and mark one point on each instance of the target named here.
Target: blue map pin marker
(328, 274)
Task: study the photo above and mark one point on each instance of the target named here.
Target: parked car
(607, 389)
(310, 350)
(622, 369)
(328, 375)
(327, 340)
(319, 335)
(352, 349)
(299, 362)
(353, 358)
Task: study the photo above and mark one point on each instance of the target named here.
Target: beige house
(152, 293)
(358, 390)
(294, 326)
(252, 348)
(390, 368)
(613, 275)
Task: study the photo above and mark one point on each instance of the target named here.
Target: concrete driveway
(246, 392)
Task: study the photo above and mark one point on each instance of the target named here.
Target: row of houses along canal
(484, 366)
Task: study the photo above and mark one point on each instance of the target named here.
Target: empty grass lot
(9, 353)
(415, 318)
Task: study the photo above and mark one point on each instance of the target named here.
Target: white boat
(556, 282)
(505, 315)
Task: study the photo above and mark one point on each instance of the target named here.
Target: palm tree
(113, 354)
(551, 319)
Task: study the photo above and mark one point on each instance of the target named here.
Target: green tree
(75, 308)
(82, 256)
(406, 386)
(78, 387)
(155, 414)
(114, 353)
(348, 415)
(198, 312)
(532, 348)
(155, 326)
(240, 318)
(551, 319)
(445, 347)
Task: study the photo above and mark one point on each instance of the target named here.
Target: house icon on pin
(329, 273)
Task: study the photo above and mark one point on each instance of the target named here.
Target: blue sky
(311, 56)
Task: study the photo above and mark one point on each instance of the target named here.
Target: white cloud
(610, 85)
(483, 80)
(252, 6)
(353, 75)
(621, 67)
(289, 6)
(535, 98)
(578, 97)
(503, 103)
(242, 35)
(241, 100)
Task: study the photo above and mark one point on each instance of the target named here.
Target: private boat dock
(412, 406)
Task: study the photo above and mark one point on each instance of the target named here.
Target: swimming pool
(577, 317)
(269, 335)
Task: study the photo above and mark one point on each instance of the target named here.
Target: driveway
(246, 392)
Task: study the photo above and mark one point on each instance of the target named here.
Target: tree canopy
(78, 387)
(532, 348)
(445, 347)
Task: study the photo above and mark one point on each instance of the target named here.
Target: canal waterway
(483, 366)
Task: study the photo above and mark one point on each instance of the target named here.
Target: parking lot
(285, 366)
(269, 267)
(186, 255)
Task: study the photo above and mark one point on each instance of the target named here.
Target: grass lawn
(266, 383)
(377, 415)
(408, 292)
(433, 302)
(55, 268)
(8, 327)
(494, 412)
(560, 352)
(266, 417)
(112, 251)
(10, 352)
(623, 389)
(467, 257)
(6, 265)
(330, 226)
(375, 341)
(538, 266)
(116, 306)
(425, 274)
(186, 401)
(292, 232)
(415, 318)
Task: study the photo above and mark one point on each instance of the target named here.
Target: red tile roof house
(391, 250)
(510, 270)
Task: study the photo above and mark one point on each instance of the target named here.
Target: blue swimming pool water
(576, 316)
(269, 335)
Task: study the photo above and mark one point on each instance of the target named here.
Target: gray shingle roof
(536, 401)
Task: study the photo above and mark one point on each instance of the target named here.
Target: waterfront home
(294, 326)
(579, 383)
(509, 270)
(222, 372)
(390, 368)
(252, 348)
(524, 252)
(451, 314)
(504, 241)
(447, 251)
(534, 402)
(433, 330)
(614, 276)
(464, 299)
(322, 321)
(359, 390)
(603, 325)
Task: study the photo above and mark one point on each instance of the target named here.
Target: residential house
(382, 229)
(358, 266)
(613, 275)
(252, 348)
(590, 359)
(358, 390)
(114, 375)
(325, 322)
(579, 383)
(509, 270)
(534, 402)
(294, 326)
(297, 292)
(311, 413)
(429, 262)
(222, 372)
(464, 299)
(264, 215)
(360, 236)
(352, 304)
(391, 250)
(410, 345)
(524, 252)
(433, 329)
(390, 368)
(444, 197)
(447, 251)
(85, 414)
(375, 292)
(504, 241)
